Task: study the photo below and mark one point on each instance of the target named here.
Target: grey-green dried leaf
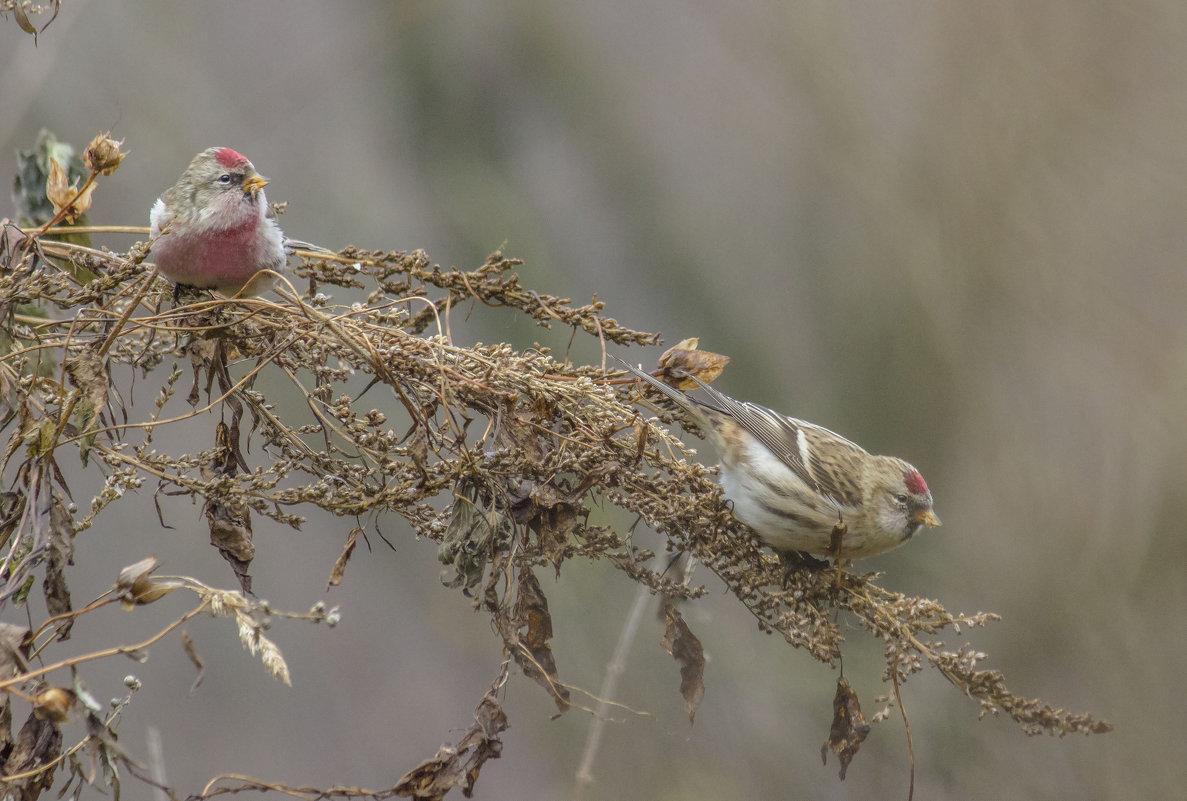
(88, 372)
(60, 553)
(82, 694)
(475, 531)
(14, 649)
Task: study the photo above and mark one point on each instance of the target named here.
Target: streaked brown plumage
(793, 481)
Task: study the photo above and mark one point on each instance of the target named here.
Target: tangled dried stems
(498, 456)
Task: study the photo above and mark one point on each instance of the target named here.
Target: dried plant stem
(614, 670)
(105, 652)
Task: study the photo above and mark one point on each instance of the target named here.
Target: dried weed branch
(497, 454)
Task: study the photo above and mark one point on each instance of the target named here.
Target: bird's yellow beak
(253, 184)
(928, 518)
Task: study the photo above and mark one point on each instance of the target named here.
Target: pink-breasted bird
(213, 228)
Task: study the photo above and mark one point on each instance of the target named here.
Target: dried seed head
(103, 154)
(54, 704)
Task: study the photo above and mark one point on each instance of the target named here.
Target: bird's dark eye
(225, 179)
(900, 499)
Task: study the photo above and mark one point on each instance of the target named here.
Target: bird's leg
(792, 561)
(835, 544)
(184, 289)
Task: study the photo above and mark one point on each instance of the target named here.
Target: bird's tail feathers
(298, 244)
(690, 404)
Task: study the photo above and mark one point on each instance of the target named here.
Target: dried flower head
(103, 154)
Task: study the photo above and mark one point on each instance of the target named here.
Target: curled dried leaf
(82, 694)
(14, 649)
(849, 727)
(191, 650)
(66, 197)
(22, 19)
(230, 532)
(88, 371)
(683, 645)
(458, 764)
(640, 438)
(339, 569)
(230, 520)
(683, 359)
(531, 610)
(38, 743)
(476, 530)
(60, 551)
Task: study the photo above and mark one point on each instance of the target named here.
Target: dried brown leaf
(22, 20)
(683, 645)
(458, 765)
(520, 428)
(551, 513)
(60, 553)
(10, 502)
(191, 651)
(683, 360)
(66, 197)
(531, 610)
(20, 11)
(849, 727)
(39, 742)
(88, 371)
(6, 738)
(339, 568)
(202, 352)
(231, 534)
(640, 438)
(229, 521)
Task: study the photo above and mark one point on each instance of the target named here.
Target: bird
(802, 488)
(213, 229)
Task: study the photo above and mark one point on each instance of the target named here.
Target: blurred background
(953, 232)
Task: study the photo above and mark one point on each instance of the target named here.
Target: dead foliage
(849, 729)
(494, 452)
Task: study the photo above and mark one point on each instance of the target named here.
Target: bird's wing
(820, 458)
